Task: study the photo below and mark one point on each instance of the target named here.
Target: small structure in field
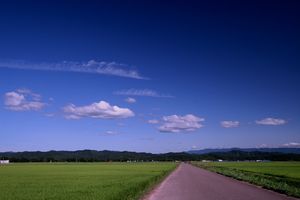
(4, 161)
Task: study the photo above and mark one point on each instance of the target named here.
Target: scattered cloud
(101, 110)
(194, 147)
(286, 145)
(177, 123)
(271, 121)
(111, 133)
(23, 100)
(142, 92)
(130, 100)
(153, 121)
(92, 66)
(230, 124)
(292, 144)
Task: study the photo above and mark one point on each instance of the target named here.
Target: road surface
(188, 182)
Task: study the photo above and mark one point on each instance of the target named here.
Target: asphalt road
(192, 183)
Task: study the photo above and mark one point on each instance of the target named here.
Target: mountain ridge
(266, 150)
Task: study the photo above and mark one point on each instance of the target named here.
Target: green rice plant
(80, 181)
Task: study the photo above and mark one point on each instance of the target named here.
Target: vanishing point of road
(188, 182)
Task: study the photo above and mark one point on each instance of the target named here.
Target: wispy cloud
(194, 147)
(23, 100)
(286, 145)
(130, 100)
(92, 66)
(271, 121)
(102, 110)
(230, 124)
(153, 121)
(142, 92)
(292, 144)
(111, 133)
(177, 123)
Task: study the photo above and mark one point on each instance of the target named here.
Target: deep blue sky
(234, 61)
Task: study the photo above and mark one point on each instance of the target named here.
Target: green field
(283, 177)
(79, 181)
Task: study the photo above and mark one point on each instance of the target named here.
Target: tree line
(123, 156)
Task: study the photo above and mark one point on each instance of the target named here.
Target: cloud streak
(100, 110)
(153, 121)
(292, 145)
(177, 123)
(111, 133)
(130, 100)
(271, 121)
(230, 124)
(142, 92)
(23, 100)
(92, 66)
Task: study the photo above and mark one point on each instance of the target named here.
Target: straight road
(188, 182)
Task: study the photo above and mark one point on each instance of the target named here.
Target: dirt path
(188, 182)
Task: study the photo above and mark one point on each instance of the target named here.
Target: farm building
(4, 161)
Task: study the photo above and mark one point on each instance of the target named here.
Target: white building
(4, 161)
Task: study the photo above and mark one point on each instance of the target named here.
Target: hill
(122, 156)
(269, 150)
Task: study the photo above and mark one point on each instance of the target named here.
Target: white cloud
(194, 147)
(143, 92)
(271, 121)
(292, 144)
(23, 100)
(130, 100)
(25, 91)
(230, 124)
(111, 133)
(102, 110)
(92, 66)
(177, 123)
(153, 121)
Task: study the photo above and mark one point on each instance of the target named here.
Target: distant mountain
(268, 150)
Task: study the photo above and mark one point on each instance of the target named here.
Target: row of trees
(105, 156)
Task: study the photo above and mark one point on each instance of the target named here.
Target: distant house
(220, 160)
(4, 161)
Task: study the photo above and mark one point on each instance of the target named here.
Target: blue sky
(149, 76)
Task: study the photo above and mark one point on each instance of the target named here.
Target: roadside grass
(80, 181)
(283, 177)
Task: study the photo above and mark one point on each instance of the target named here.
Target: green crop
(79, 181)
